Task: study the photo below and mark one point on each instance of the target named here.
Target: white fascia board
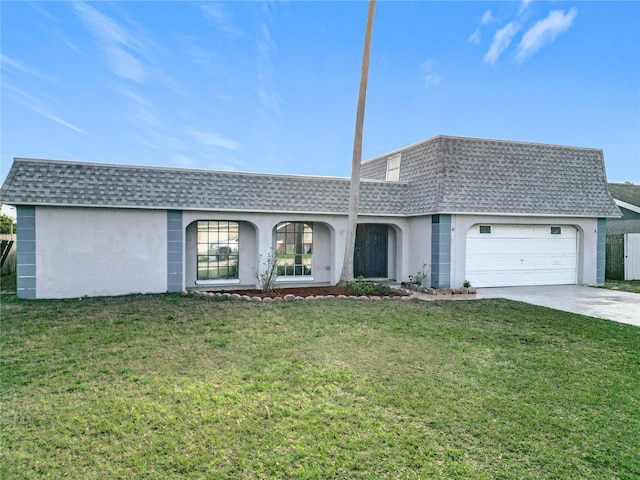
(627, 206)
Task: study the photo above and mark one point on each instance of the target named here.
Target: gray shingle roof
(439, 175)
(469, 175)
(626, 192)
(46, 182)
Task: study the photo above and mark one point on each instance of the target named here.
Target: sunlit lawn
(179, 387)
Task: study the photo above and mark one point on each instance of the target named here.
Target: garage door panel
(521, 255)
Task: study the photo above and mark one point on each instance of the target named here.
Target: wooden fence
(9, 264)
(614, 265)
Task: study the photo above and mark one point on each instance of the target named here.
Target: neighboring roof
(626, 192)
(470, 175)
(439, 175)
(47, 182)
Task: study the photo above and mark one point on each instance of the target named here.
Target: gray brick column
(26, 252)
(602, 250)
(441, 251)
(174, 251)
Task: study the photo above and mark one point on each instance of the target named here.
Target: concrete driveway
(623, 307)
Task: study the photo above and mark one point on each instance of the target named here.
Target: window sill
(294, 278)
(231, 281)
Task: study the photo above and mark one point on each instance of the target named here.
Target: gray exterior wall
(616, 227)
(26, 252)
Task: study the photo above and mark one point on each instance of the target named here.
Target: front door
(370, 259)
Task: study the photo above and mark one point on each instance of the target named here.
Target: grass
(8, 283)
(179, 387)
(623, 285)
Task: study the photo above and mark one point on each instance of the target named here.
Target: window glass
(217, 250)
(485, 228)
(294, 245)
(393, 168)
(556, 230)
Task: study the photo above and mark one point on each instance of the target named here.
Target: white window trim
(294, 278)
(223, 281)
(393, 168)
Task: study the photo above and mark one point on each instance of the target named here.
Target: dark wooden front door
(370, 258)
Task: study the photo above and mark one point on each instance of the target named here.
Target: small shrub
(360, 287)
(466, 284)
(421, 275)
(267, 275)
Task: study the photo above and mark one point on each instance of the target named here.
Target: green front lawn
(179, 387)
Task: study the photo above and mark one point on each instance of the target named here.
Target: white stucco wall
(419, 245)
(100, 252)
(587, 242)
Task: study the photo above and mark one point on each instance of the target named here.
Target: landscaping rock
(289, 298)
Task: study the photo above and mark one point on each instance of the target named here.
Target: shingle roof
(626, 192)
(469, 175)
(46, 182)
(439, 175)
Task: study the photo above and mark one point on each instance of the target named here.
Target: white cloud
(118, 44)
(270, 100)
(212, 139)
(16, 64)
(219, 18)
(24, 68)
(37, 106)
(524, 6)
(501, 41)
(475, 37)
(430, 78)
(544, 32)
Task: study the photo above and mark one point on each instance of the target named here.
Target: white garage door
(512, 255)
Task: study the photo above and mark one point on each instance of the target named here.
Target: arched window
(218, 250)
(294, 248)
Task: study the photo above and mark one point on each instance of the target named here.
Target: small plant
(421, 275)
(466, 284)
(266, 276)
(360, 287)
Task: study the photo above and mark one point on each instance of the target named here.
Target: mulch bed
(300, 292)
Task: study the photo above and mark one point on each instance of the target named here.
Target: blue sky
(272, 87)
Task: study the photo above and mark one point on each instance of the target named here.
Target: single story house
(490, 212)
